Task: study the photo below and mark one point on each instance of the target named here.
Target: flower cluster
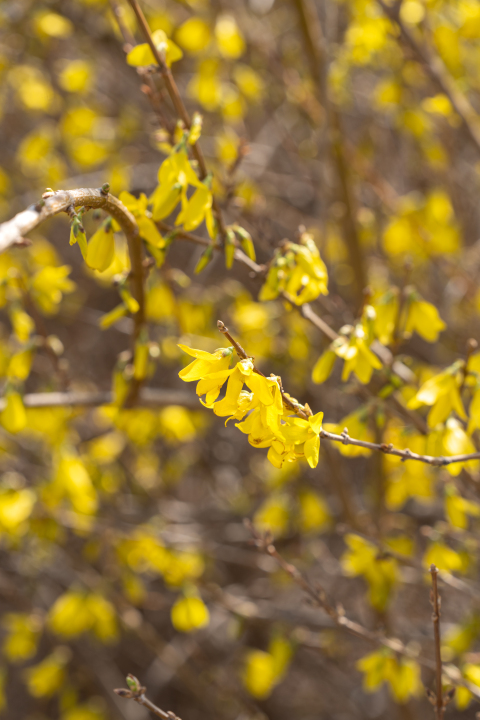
(263, 411)
(394, 318)
(298, 270)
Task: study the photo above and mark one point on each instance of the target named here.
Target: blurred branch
(438, 699)
(154, 397)
(315, 47)
(437, 72)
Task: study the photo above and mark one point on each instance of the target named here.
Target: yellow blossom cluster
(297, 270)
(260, 411)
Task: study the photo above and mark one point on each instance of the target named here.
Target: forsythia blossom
(353, 347)
(297, 269)
(260, 410)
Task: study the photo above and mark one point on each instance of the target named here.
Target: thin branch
(13, 231)
(344, 438)
(437, 698)
(52, 203)
(178, 104)
(316, 51)
(137, 692)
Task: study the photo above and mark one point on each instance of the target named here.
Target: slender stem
(436, 602)
(178, 104)
(316, 51)
(143, 700)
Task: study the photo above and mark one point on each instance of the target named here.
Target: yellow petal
(312, 450)
(101, 250)
(316, 422)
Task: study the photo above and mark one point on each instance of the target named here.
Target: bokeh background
(355, 120)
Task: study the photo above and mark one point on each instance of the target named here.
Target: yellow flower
(386, 311)
(269, 422)
(381, 574)
(210, 369)
(297, 270)
(423, 318)
(146, 227)
(474, 412)
(197, 209)
(442, 392)
(48, 285)
(14, 417)
(357, 356)
(101, 248)
(174, 177)
(142, 55)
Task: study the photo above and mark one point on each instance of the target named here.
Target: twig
(137, 692)
(178, 104)
(13, 231)
(315, 47)
(344, 438)
(52, 203)
(437, 698)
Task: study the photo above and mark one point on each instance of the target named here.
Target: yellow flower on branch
(353, 347)
(422, 317)
(297, 269)
(270, 422)
(210, 369)
(174, 177)
(142, 55)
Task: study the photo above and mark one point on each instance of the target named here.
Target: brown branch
(137, 692)
(438, 73)
(13, 231)
(149, 397)
(178, 104)
(52, 203)
(316, 51)
(437, 698)
(344, 438)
